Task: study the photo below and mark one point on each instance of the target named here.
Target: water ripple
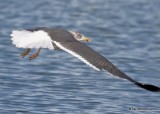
(126, 32)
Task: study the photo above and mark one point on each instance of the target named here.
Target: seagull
(69, 41)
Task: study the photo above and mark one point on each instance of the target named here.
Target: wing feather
(98, 62)
(91, 57)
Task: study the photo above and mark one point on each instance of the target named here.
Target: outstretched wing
(97, 61)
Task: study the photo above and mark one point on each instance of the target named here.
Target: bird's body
(68, 41)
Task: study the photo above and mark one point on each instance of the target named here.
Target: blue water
(127, 32)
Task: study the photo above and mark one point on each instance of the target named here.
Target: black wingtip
(148, 87)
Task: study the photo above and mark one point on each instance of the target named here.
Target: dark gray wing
(101, 62)
(94, 58)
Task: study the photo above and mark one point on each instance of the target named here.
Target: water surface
(127, 32)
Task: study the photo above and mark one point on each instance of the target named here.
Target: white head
(79, 36)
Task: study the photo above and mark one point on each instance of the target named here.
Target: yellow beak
(85, 39)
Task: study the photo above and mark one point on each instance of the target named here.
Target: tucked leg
(35, 54)
(25, 52)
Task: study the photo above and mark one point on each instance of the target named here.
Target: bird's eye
(78, 34)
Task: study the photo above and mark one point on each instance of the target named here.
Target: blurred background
(127, 32)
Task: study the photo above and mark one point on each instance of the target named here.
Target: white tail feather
(28, 39)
